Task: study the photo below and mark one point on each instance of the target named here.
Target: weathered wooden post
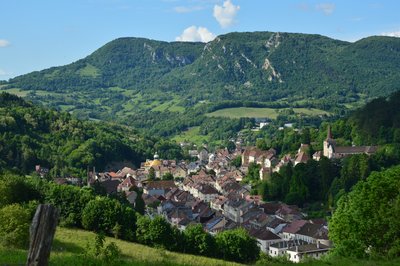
(42, 232)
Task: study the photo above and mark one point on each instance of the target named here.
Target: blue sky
(37, 34)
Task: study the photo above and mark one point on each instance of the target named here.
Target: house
(219, 224)
(317, 155)
(289, 232)
(275, 224)
(158, 187)
(126, 171)
(192, 167)
(301, 157)
(332, 151)
(234, 209)
(253, 213)
(313, 233)
(42, 171)
(193, 153)
(179, 171)
(131, 197)
(289, 213)
(264, 238)
(280, 248)
(218, 203)
(202, 212)
(215, 225)
(206, 192)
(255, 155)
(150, 201)
(283, 162)
(126, 185)
(227, 185)
(259, 220)
(110, 185)
(298, 253)
(203, 155)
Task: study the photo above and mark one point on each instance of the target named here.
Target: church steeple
(329, 144)
(329, 133)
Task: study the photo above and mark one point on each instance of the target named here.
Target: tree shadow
(61, 246)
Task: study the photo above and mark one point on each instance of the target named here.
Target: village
(208, 191)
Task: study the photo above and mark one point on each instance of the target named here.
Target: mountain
(232, 66)
(134, 78)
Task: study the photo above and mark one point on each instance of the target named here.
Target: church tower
(329, 144)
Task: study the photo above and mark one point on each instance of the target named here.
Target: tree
(237, 161)
(109, 216)
(367, 220)
(231, 146)
(152, 173)
(15, 189)
(156, 232)
(71, 201)
(237, 245)
(167, 176)
(199, 242)
(14, 226)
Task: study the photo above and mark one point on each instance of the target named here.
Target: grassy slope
(69, 246)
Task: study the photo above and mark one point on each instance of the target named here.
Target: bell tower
(329, 144)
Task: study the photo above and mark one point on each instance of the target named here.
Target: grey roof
(263, 234)
(309, 248)
(289, 244)
(355, 149)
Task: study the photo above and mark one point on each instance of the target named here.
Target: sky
(38, 34)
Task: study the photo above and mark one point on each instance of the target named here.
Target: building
(333, 151)
(315, 251)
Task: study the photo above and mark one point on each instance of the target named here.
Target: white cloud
(188, 9)
(4, 43)
(326, 8)
(225, 14)
(391, 34)
(3, 73)
(196, 34)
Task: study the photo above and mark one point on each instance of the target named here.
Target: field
(254, 112)
(191, 135)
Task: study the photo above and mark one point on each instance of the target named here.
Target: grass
(192, 135)
(171, 106)
(239, 112)
(17, 92)
(255, 112)
(310, 111)
(89, 71)
(69, 246)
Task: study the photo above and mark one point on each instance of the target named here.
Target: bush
(14, 226)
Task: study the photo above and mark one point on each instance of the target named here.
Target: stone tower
(329, 144)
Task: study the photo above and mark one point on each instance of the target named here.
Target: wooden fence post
(42, 232)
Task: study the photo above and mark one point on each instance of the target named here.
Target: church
(332, 151)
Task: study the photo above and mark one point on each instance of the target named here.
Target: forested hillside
(31, 135)
(148, 84)
(260, 64)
